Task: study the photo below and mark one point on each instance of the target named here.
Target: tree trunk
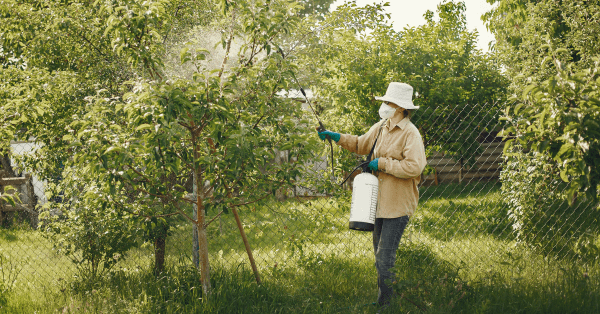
(159, 253)
(203, 254)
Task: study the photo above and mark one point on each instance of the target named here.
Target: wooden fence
(447, 169)
(26, 206)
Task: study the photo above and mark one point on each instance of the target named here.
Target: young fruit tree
(50, 66)
(222, 127)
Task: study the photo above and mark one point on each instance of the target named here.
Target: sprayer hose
(359, 166)
(332, 166)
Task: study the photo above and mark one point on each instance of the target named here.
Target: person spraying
(398, 161)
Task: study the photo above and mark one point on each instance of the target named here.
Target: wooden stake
(247, 245)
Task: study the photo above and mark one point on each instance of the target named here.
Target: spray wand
(321, 127)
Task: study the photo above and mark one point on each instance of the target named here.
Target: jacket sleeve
(360, 144)
(414, 159)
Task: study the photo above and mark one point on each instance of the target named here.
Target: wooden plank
(488, 149)
(436, 155)
(490, 172)
(493, 144)
(495, 151)
(9, 208)
(483, 163)
(496, 158)
(476, 168)
(481, 158)
(14, 181)
(440, 161)
(484, 167)
(480, 175)
(17, 208)
(449, 168)
(454, 177)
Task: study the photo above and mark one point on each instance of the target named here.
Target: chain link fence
(466, 216)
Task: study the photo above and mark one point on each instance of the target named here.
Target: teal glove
(334, 136)
(374, 164)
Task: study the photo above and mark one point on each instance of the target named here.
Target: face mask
(386, 111)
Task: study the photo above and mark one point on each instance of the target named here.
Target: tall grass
(458, 255)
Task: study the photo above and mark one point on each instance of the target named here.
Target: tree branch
(217, 216)
(169, 31)
(250, 202)
(226, 58)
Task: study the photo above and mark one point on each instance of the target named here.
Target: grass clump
(427, 283)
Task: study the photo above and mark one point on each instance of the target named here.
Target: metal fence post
(195, 245)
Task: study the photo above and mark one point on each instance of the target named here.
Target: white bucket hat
(399, 94)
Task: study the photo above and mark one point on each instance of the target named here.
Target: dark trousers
(386, 238)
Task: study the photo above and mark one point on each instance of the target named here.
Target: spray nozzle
(303, 93)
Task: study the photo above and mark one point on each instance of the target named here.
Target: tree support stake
(247, 245)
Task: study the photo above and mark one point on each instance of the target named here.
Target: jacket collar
(402, 124)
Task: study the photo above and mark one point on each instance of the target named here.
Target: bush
(539, 209)
(86, 226)
(94, 240)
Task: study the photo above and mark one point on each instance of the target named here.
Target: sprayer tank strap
(364, 164)
(375, 143)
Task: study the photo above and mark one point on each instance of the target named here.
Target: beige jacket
(401, 161)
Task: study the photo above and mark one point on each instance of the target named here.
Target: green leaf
(527, 90)
(184, 55)
(563, 50)
(563, 149)
(546, 60)
(507, 146)
(113, 149)
(544, 145)
(563, 175)
(9, 199)
(517, 108)
(143, 127)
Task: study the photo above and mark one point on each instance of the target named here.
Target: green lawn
(458, 255)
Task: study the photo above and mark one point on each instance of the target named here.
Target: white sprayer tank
(364, 202)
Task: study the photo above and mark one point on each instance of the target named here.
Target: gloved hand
(374, 164)
(334, 136)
